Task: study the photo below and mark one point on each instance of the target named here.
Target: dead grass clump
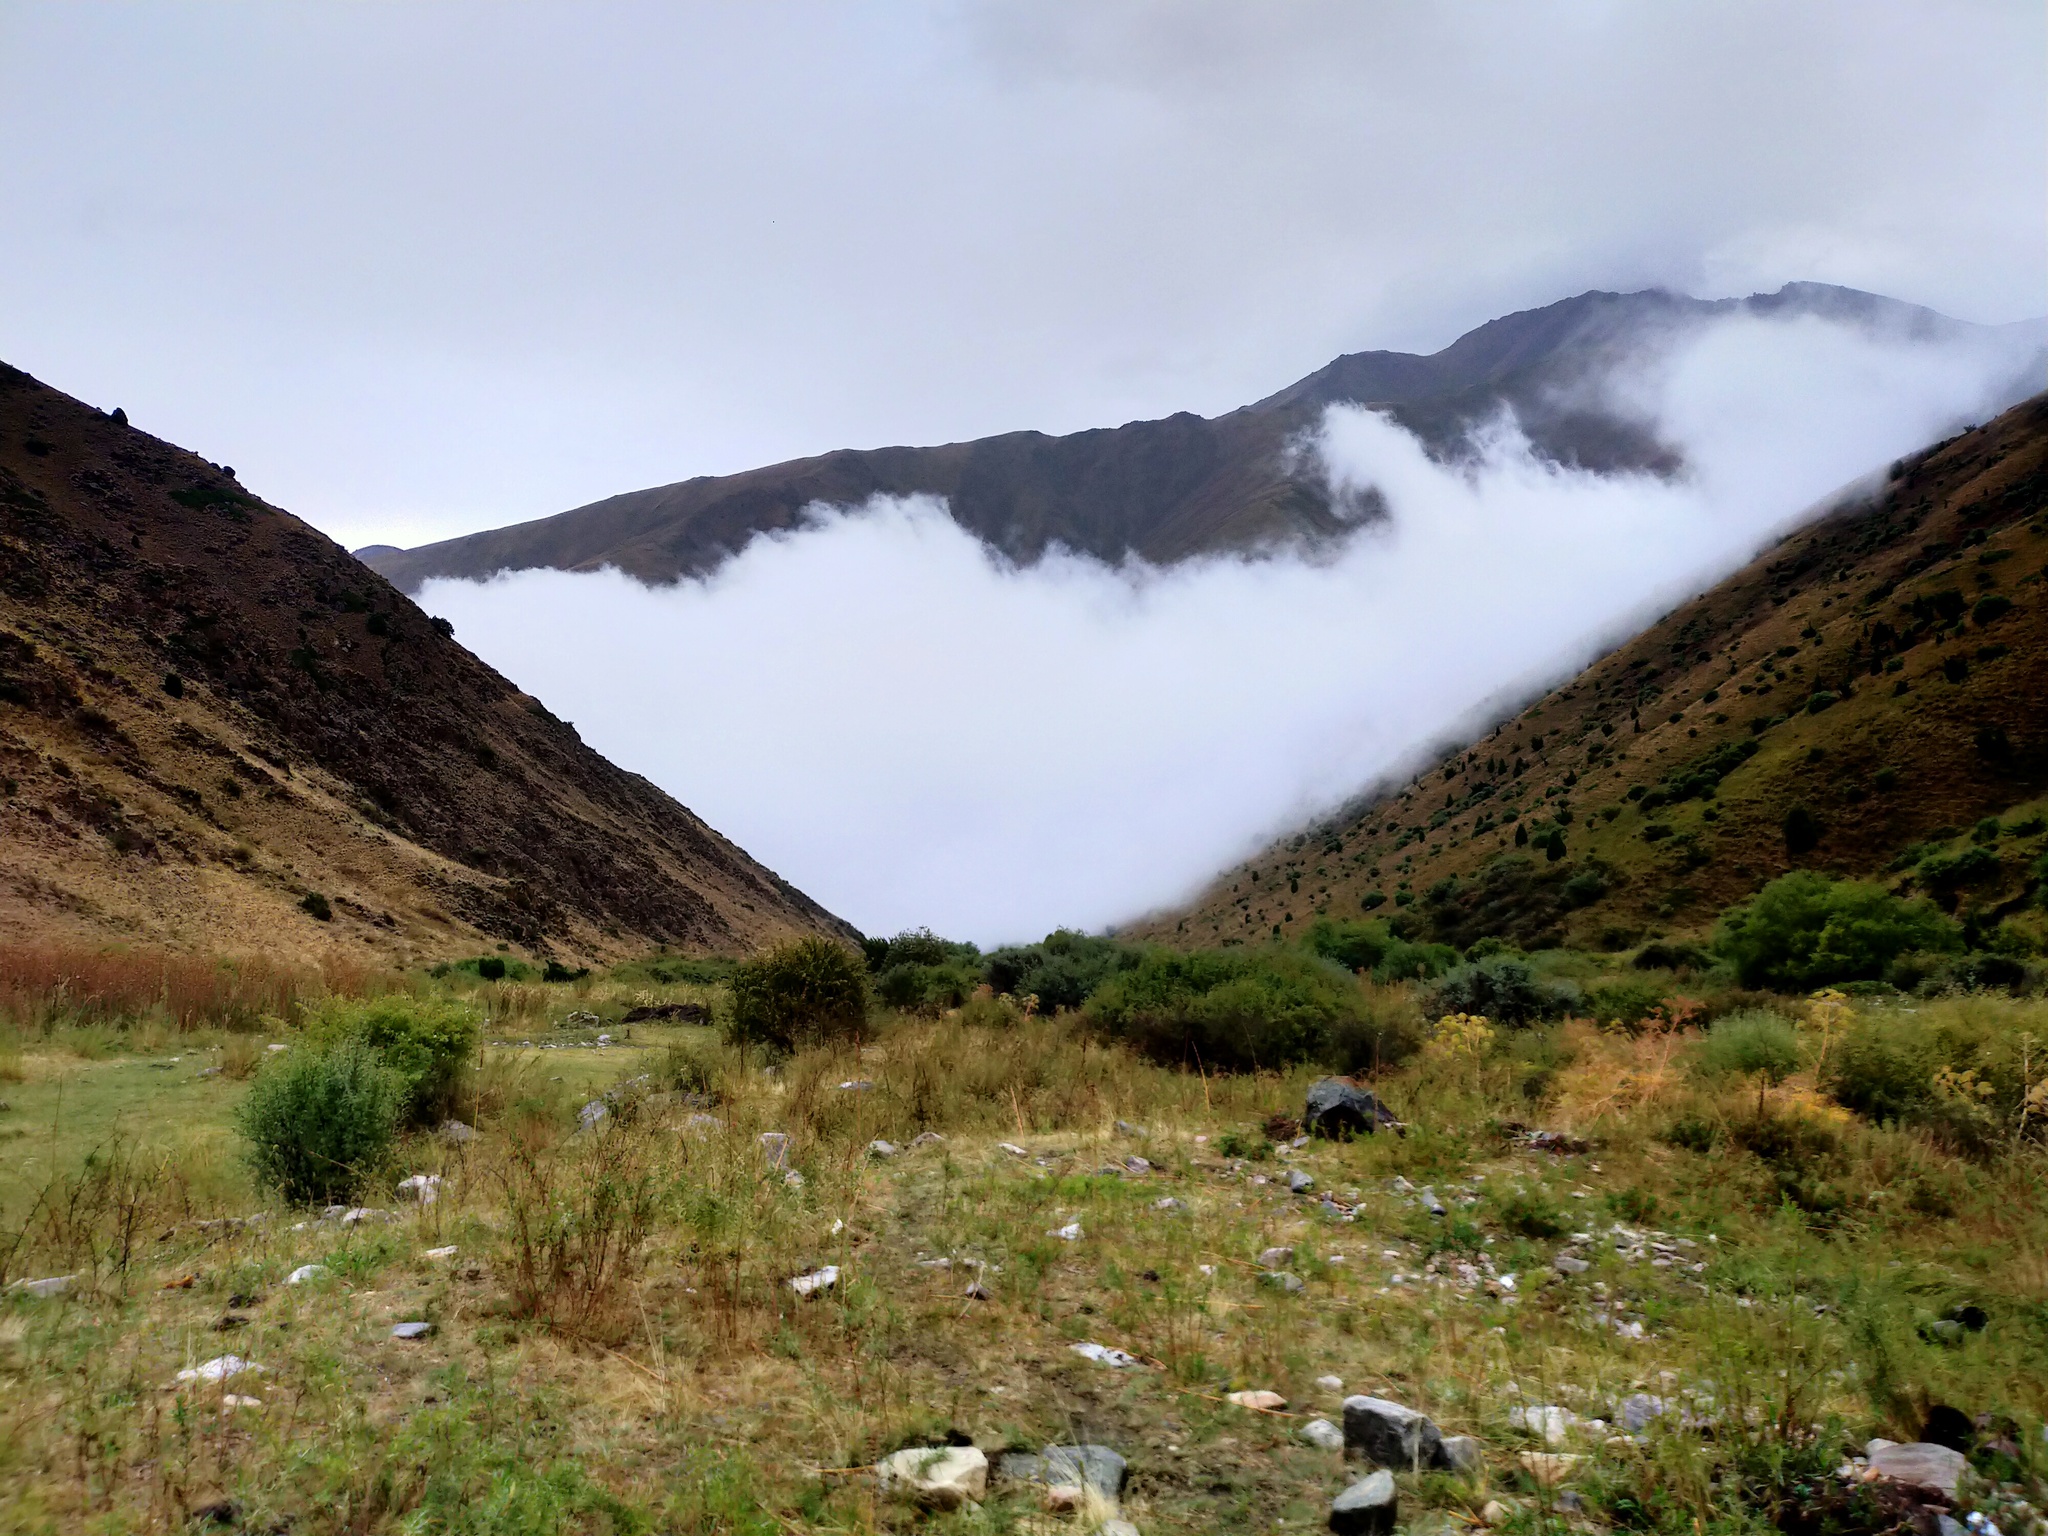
(45, 985)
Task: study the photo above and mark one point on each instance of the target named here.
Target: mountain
(213, 719)
(1165, 490)
(1858, 699)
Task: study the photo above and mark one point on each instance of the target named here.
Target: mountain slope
(210, 714)
(1172, 488)
(1873, 684)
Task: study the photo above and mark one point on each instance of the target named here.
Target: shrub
(1625, 1002)
(1531, 1214)
(1407, 961)
(425, 1044)
(320, 1120)
(1501, 988)
(1353, 945)
(1751, 1043)
(801, 992)
(318, 906)
(1060, 971)
(1956, 1069)
(1802, 831)
(1237, 1012)
(491, 968)
(557, 972)
(1671, 955)
(1806, 930)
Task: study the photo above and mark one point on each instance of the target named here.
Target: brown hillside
(1868, 669)
(210, 712)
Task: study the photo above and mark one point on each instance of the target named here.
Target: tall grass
(43, 986)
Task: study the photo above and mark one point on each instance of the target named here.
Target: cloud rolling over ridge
(915, 731)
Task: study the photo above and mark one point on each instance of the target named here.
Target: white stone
(220, 1368)
(1259, 1398)
(942, 1476)
(1919, 1465)
(306, 1272)
(1012, 1148)
(1322, 1434)
(440, 1253)
(54, 1285)
(1330, 1383)
(1070, 1233)
(1553, 1423)
(1102, 1354)
(423, 1187)
(815, 1281)
(880, 1148)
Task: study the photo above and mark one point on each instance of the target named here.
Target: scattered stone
(54, 1285)
(976, 1291)
(439, 1253)
(306, 1272)
(1427, 1199)
(1462, 1454)
(793, 1179)
(927, 1139)
(219, 1512)
(668, 1013)
(1549, 1468)
(856, 1085)
(1366, 1508)
(412, 1330)
(1553, 1141)
(591, 1113)
(362, 1215)
(775, 1147)
(1167, 1203)
(208, 1072)
(1070, 1233)
(219, 1368)
(1943, 1330)
(701, 1124)
(1330, 1383)
(1125, 1128)
(1338, 1107)
(880, 1148)
(940, 1476)
(1274, 1258)
(1020, 1467)
(1386, 1434)
(1117, 1527)
(1094, 1467)
(1281, 1280)
(1259, 1398)
(1548, 1420)
(456, 1134)
(604, 1039)
(1493, 1512)
(1102, 1354)
(228, 1322)
(580, 1017)
(1300, 1181)
(816, 1280)
(1136, 1165)
(277, 1045)
(423, 1187)
(1012, 1148)
(1919, 1465)
(1323, 1435)
(1636, 1412)
(1570, 1264)
(230, 1400)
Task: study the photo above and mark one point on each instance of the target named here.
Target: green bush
(1529, 1213)
(1624, 1002)
(1406, 961)
(1061, 971)
(320, 1120)
(1751, 1043)
(427, 1044)
(1956, 1070)
(801, 992)
(1228, 1011)
(1807, 930)
(1353, 945)
(1504, 989)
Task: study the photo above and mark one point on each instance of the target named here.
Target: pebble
(1330, 1383)
(1493, 1512)
(219, 1368)
(1300, 1182)
(1567, 1264)
(1168, 1203)
(423, 1187)
(1259, 1398)
(1389, 1434)
(927, 1139)
(1012, 1148)
(306, 1272)
(1553, 1423)
(1103, 1354)
(440, 1253)
(1281, 1280)
(1137, 1165)
(1322, 1434)
(880, 1148)
(1549, 1468)
(1070, 1233)
(455, 1133)
(815, 1281)
(591, 1113)
(856, 1085)
(412, 1330)
(1275, 1258)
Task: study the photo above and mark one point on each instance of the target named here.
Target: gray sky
(416, 269)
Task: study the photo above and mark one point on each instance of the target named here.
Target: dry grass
(43, 986)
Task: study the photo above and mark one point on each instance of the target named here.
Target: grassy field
(615, 1345)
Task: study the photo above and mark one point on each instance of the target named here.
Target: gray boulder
(1636, 1412)
(1338, 1107)
(1386, 1434)
(1366, 1508)
(1919, 1465)
(1322, 1434)
(1300, 1181)
(1461, 1454)
(1094, 1467)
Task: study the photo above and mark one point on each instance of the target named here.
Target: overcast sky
(416, 269)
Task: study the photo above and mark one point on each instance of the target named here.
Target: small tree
(801, 992)
(320, 1120)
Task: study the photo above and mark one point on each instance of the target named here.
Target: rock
(668, 1013)
(439, 1253)
(1636, 1412)
(208, 1072)
(1281, 1280)
(1274, 1258)
(277, 1045)
(1012, 1148)
(1553, 1423)
(1168, 1203)
(1949, 1426)
(856, 1085)
(1944, 1331)
(1338, 1107)
(1386, 1434)
(1117, 1527)
(219, 1368)
(306, 1272)
(1549, 1468)
(1972, 1317)
(880, 1148)
(701, 1124)
(412, 1330)
(1020, 1467)
(54, 1285)
(815, 1281)
(1493, 1512)
(775, 1148)
(590, 1114)
(1553, 1141)
(423, 1187)
(1461, 1454)
(1366, 1508)
(1919, 1465)
(793, 1179)
(1094, 1467)
(455, 1133)
(939, 1476)
(1427, 1199)
(1125, 1128)
(1568, 1264)
(927, 1139)
(976, 1291)
(1300, 1181)
(1322, 1434)
(1136, 1165)
(1102, 1354)
(1330, 1383)
(1259, 1398)
(362, 1215)
(1070, 1233)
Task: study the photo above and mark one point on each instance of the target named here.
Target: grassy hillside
(219, 731)
(1860, 699)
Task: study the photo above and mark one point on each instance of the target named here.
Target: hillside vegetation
(1863, 699)
(219, 731)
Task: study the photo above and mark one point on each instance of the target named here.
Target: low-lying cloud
(917, 732)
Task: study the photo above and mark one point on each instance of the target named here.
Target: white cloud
(915, 732)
